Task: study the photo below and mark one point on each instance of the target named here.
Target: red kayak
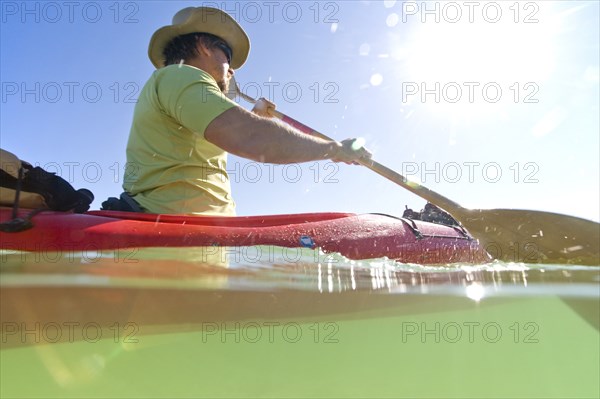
(355, 236)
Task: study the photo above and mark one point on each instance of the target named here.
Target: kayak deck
(365, 236)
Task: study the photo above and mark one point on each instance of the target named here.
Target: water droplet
(364, 49)
(376, 79)
(392, 20)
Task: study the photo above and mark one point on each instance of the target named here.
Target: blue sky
(494, 105)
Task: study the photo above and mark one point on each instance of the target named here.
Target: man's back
(171, 167)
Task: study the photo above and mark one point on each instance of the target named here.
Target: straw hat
(206, 20)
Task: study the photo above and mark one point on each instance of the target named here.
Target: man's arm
(247, 135)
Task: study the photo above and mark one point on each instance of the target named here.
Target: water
(270, 322)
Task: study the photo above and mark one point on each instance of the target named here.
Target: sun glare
(471, 65)
(501, 53)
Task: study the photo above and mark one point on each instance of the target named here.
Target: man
(184, 125)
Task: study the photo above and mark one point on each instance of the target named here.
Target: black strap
(432, 214)
(125, 203)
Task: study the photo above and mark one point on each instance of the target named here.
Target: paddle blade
(514, 235)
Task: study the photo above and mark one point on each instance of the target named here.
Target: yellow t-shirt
(171, 167)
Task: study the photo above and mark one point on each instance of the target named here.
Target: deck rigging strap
(16, 224)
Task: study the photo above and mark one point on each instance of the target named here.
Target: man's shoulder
(174, 87)
(184, 74)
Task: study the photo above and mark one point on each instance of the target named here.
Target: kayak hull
(355, 236)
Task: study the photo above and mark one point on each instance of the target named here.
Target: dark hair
(184, 47)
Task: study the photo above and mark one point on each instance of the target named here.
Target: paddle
(510, 235)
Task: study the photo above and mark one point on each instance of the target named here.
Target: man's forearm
(244, 134)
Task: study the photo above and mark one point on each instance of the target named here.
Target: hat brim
(206, 20)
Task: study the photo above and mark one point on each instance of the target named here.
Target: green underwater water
(173, 323)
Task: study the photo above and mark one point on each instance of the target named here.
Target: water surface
(274, 322)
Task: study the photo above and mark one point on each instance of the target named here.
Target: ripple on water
(304, 269)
